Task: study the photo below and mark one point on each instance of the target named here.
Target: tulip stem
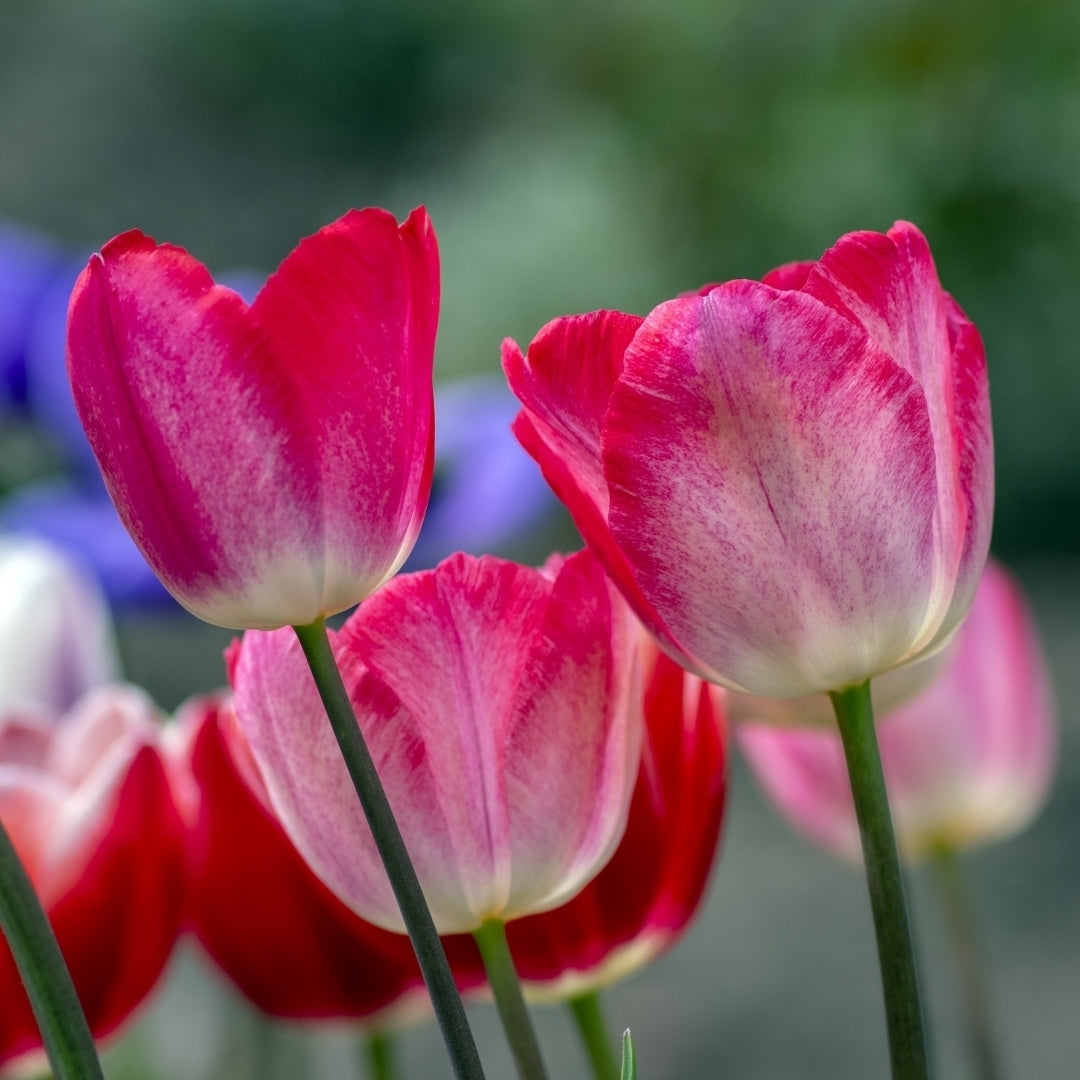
(445, 999)
(976, 1005)
(380, 1056)
(589, 1017)
(64, 1031)
(506, 989)
(903, 1011)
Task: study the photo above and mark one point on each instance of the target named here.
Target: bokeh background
(577, 154)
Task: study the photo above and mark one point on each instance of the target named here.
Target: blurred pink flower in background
(502, 706)
(272, 461)
(90, 809)
(966, 761)
(790, 480)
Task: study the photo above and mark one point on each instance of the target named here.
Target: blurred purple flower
(487, 491)
(27, 263)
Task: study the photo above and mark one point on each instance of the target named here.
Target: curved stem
(974, 1000)
(589, 1017)
(445, 998)
(64, 1031)
(903, 1011)
(506, 988)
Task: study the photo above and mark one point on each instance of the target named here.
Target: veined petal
(784, 526)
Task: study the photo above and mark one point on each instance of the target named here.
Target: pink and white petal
(797, 488)
(197, 432)
(888, 284)
(453, 646)
(280, 713)
(575, 740)
(351, 315)
(565, 385)
(975, 454)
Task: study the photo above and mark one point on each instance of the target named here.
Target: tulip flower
(89, 806)
(271, 461)
(967, 761)
(55, 633)
(502, 710)
(271, 926)
(644, 898)
(790, 480)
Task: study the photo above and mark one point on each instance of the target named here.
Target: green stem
(976, 1005)
(445, 998)
(589, 1017)
(64, 1031)
(903, 1012)
(380, 1056)
(506, 988)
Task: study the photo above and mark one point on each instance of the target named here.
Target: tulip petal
(784, 526)
(349, 313)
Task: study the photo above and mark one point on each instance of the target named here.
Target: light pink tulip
(56, 638)
(272, 461)
(790, 480)
(968, 760)
(502, 707)
(89, 806)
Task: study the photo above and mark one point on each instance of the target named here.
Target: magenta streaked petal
(502, 710)
(788, 497)
(273, 462)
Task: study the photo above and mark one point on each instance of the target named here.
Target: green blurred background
(576, 154)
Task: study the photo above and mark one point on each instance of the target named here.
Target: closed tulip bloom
(967, 761)
(56, 639)
(791, 480)
(502, 708)
(89, 806)
(642, 901)
(271, 926)
(271, 461)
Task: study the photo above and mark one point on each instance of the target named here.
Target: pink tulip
(272, 462)
(89, 807)
(642, 901)
(790, 480)
(284, 940)
(502, 708)
(968, 760)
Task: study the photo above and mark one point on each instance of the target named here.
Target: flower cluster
(785, 487)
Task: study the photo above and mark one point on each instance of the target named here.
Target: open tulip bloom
(271, 461)
(502, 706)
(791, 481)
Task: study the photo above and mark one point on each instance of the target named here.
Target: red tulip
(503, 712)
(968, 760)
(644, 898)
(272, 462)
(790, 480)
(286, 942)
(89, 807)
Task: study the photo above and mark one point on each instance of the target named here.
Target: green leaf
(629, 1061)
